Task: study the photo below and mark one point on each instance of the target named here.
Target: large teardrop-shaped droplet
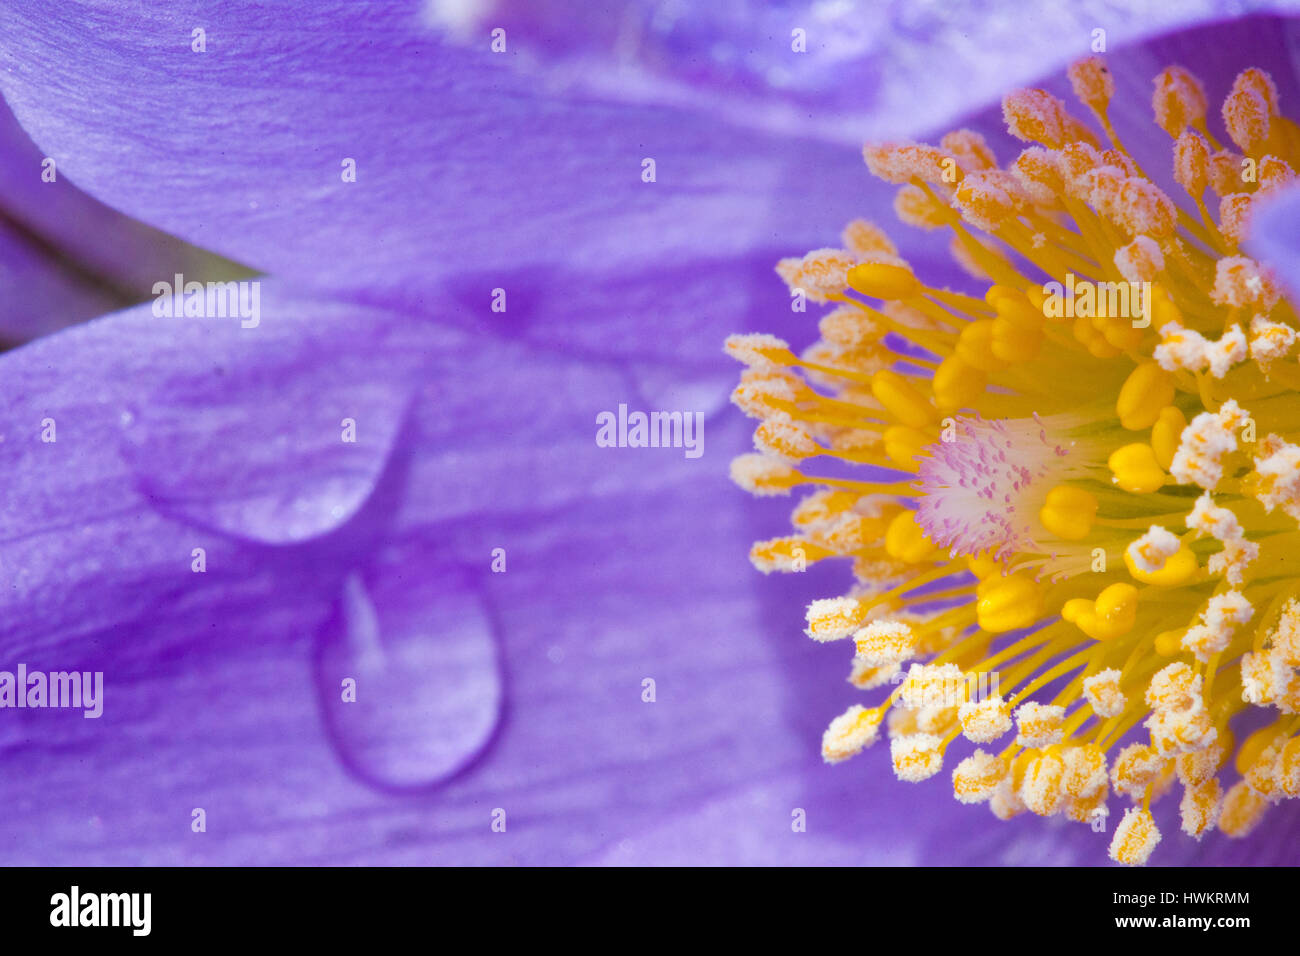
(409, 675)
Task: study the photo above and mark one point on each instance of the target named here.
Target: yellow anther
(883, 280)
(1179, 568)
(906, 541)
(1169, 643)
(975, 346)
(1008, 603)
(1038, 299)
(956, 384)
(1166, 434)
(902, 400)
(904, 444)
(1163, 309)
(1086, 334)
(998, 292)
(1119, 333)
(1135, 469)
(1254, 746)
(1111, 615)
(983, 566)
(1012, 343)
(1069, 512)
(1019, 311)
(1145, 394)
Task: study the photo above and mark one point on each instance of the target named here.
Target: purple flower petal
(1275, 236)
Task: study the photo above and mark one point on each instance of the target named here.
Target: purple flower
(204, 533)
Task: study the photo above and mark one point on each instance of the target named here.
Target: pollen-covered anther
(1181, 731)
(1039, 725)
(1222, 615)
(822, 273)
(1268, 678)
(1270, 341)
(1242, 810)
(915, 207)
(1197, 766)
(1181, 348)
(1142, 208)
(850, 328)
(758, 350)
(1005, 802)
(1037, 116)
(1225, 173)
(767, 392)
(1287, 769)
(763, 475)
(1246, 117)
(990, 198)
(970, 149)
(1174, 687)
(1260, 83)
(899, 163)
(1092, 82)
(833, 619)
(1041, 790)
(1192, 162)
(1207, 440)
(986, 720)
(1135, 837)
(1200, 807)
(1178, 101)
(785, 440)
(1213, 520)
(820, 506)
(1040, 175)
(1278, 478)
(885, 642)
(1141, 260)
(1102, 691)
(1136, 767)
(1274, 174)
(865, 677)
(1235, 211)
(850, 733)
(1150, 551)
(845, 534)
(916, 757)
(862, 238)
(936, 719)
(1085, 772)
(1243, 283)
(1077, 164)
(1262, 777)
(788, 554)
(929, 685)
(976, 778)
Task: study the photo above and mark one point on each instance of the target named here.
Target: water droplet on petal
(422, 658)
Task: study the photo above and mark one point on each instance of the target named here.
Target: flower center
(1084, 484)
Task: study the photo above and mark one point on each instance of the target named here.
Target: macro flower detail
(1083, 483)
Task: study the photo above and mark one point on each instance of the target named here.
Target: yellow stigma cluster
(1071, 505)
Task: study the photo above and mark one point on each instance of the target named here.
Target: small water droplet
(424, 660)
